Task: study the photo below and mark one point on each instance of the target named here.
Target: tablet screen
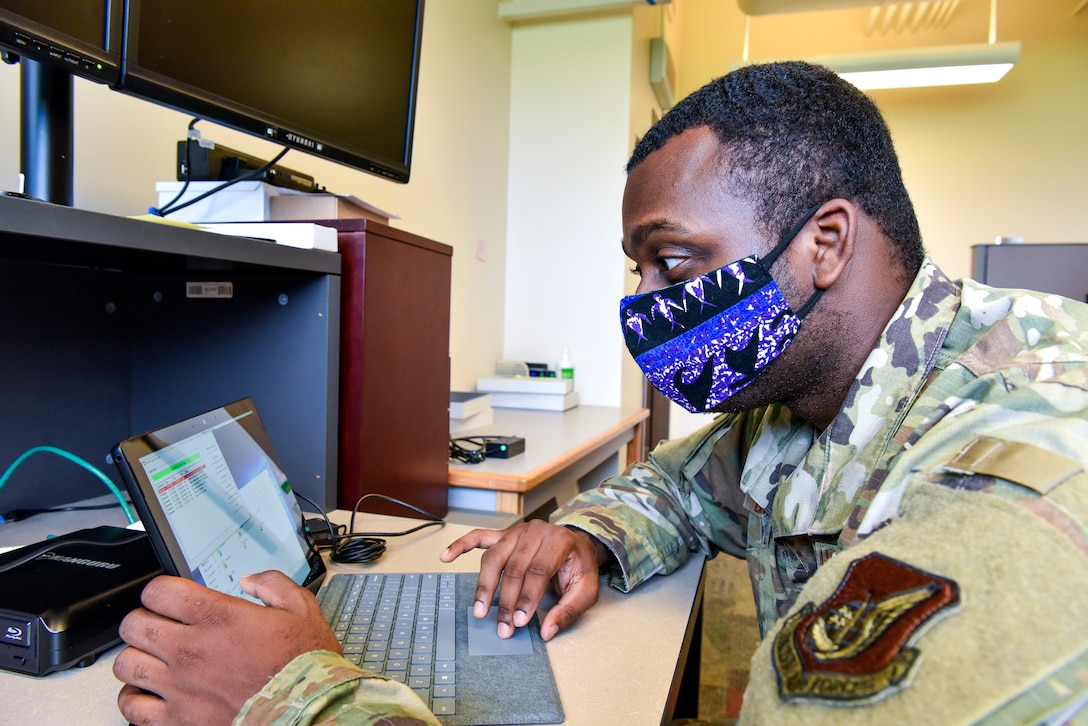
(215, 502)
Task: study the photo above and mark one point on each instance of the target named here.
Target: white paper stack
(535, 393)
(470, 410)
(291, 234)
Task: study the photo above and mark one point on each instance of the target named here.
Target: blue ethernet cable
(75, 460)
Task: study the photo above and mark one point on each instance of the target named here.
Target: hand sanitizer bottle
(566, 365)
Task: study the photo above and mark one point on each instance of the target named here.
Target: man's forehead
(686, 171)
(696, 150)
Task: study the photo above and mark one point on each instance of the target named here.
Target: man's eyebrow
(640, 233)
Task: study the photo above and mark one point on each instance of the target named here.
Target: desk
(565, 453)
(619, 664)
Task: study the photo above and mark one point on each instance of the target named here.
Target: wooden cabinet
(394, 368)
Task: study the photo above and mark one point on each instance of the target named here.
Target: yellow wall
(1007, 159)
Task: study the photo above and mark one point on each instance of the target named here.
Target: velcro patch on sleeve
(856, 647)
(1023, 464)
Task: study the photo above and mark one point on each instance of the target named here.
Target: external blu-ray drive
(62, 600)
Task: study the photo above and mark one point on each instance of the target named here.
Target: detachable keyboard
(401, 626)
(419, 629)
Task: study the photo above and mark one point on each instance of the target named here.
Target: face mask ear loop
(807, 307)
(770, 259)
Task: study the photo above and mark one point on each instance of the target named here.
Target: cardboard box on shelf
(290, 205)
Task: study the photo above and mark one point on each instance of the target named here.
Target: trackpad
(483, 639)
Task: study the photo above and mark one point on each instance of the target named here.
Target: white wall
(457, 194)
(569, 131)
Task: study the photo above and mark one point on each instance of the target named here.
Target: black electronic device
(339, 83)
(215, 501)
(199, 162)
(503, 447)
(62, 600)
(83, 37)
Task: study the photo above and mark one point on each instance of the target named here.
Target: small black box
(62, 600)
(503, 447)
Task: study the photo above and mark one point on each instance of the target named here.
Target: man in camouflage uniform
(917, 454)
(907, 480)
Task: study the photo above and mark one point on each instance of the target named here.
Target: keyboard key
(443, 706)
(446, 638)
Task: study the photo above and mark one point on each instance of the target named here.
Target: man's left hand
(198, 655)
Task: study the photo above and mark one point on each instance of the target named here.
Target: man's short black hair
(797, 135)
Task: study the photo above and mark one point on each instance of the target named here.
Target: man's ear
(836, 230)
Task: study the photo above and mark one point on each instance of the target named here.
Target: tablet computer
(215, 502)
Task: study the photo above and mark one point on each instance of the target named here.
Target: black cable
(254, 173)
(158, 211)
(366, 547)
(472, 456)
(16, 515)
(464, 454)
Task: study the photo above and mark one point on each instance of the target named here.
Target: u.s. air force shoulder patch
(855, 648)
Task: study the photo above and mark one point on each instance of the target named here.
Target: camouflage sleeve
(682, 499)
(322, 688)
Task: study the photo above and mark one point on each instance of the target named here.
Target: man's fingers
(139, 706)
(476, 539)
(525, 578)
(187, 602)
(150, 632)
(138, 668)
(276, 590)
(579, 597)
(493, 564)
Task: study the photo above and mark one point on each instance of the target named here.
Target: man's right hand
(524, 559)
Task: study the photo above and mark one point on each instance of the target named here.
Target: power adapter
(503, 447)
(318, 529)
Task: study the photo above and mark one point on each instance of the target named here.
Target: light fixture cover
(776, 7)
(934, 66)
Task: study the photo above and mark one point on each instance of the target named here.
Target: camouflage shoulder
(963, 609)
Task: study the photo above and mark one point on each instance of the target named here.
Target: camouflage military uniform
(960, 452)
(323, 688)
(957, 466)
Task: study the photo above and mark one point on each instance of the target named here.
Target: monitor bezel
(46, 41)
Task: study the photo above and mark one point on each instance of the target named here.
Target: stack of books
(469, 410)
(536, 393)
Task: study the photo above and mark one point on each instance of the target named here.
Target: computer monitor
(83, 38)
(334, 79)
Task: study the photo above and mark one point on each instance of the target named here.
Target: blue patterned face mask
(702, 340)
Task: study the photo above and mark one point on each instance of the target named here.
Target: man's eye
(671, 262)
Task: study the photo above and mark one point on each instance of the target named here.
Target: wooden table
(565, 453)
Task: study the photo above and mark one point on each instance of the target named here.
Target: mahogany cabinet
(394, 368)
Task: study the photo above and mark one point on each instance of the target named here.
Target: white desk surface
(552, 441)
(616, 665)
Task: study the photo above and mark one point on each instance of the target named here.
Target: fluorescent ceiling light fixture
(949, 65)
(938, 66)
